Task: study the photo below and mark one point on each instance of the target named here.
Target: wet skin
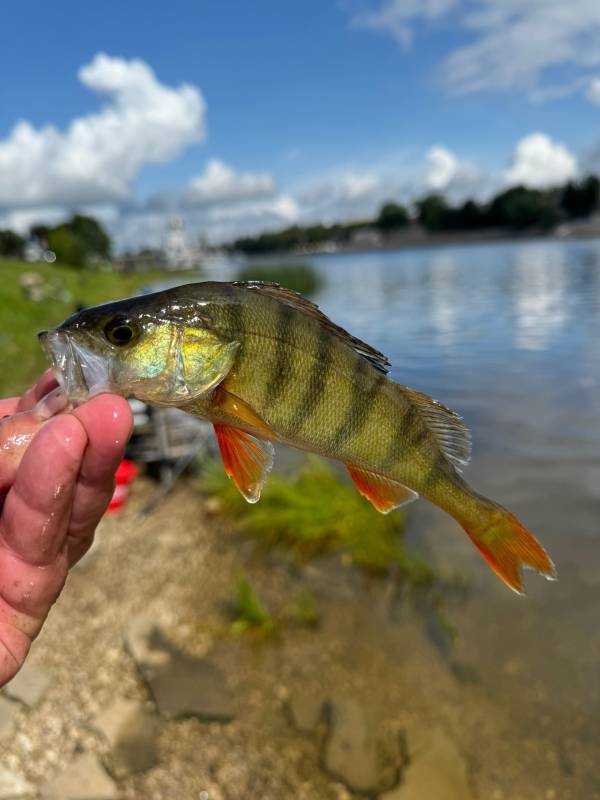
(56, 479)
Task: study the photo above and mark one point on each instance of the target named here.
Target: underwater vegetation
(251, 614)
(315, 512)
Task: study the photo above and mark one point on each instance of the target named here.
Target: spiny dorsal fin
(448, 427)
(300, 303)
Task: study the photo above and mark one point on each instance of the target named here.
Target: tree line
(513, 210)
(79, 241)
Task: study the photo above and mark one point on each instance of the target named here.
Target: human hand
(56, 479)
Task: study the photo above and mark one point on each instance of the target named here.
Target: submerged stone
(29, 685)
(132, 733)
(353, 754)
(188, 686)
(306, 709)
(436, 770)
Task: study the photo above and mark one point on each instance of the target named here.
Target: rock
(351, 753)
(436, 770)
(28, 685)
(187, 686)
(144, 640)
(182, 685)
(132, 734)
(306, 709)
(83, 779)
(8, 712)
(14, 786)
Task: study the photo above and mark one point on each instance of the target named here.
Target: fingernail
(54, 402)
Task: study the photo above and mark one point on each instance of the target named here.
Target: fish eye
(120, 331)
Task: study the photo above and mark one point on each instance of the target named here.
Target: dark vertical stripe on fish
(410, 420)
(281, 369)
(235, 313)
(313, 393)
(359, 408)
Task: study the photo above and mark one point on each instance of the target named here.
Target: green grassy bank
(61, 290)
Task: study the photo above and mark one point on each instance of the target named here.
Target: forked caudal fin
(508, 547)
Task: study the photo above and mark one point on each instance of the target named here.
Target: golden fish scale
(316, 392)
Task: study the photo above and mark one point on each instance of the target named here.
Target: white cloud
(218, 184)
(593, 91)
(96, 159)
(511, 44)
(442, 167)
(515, 42)
(458, 179)
(397, 17)
(540, 163)
(346, 192)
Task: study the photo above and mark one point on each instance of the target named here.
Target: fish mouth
(80, 372)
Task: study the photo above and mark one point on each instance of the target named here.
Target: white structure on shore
(178, 254)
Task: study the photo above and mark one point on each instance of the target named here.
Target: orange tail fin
(508, 547)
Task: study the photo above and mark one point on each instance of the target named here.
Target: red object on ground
(126, 473)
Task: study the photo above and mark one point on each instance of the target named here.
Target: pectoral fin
(383, 493)
(247, 460)
(241, 413)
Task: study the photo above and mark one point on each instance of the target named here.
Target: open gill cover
(300, 303)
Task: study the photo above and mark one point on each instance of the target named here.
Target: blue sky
(292, 111)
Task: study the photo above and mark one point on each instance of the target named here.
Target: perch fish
(264, 365)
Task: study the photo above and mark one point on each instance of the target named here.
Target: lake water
(508, 335)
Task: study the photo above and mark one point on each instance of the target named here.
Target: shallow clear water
(506, 334)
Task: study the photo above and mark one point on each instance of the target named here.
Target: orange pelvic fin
(247, 460)
(508, 547)
(383, 493)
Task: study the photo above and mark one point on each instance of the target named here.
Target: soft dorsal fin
(448, 427)
(300, 303)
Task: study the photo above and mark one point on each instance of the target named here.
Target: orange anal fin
(508, 547)
(247, 460)
(239, 411)
(383, 493)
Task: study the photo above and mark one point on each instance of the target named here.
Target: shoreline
(420, 242)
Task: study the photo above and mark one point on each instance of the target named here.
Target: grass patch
(299, 277)
(315, 513)
(64, 288)
(249, 612)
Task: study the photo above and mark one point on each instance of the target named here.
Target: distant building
(36, 250)
(178, 253)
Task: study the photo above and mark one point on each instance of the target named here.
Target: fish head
(159, 352)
